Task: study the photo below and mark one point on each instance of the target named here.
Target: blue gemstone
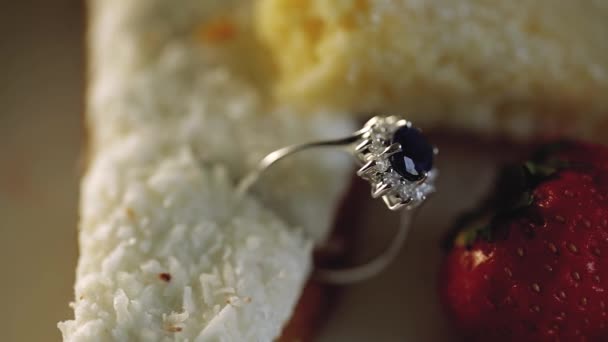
(416, 156)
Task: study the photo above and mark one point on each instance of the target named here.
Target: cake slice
(520, 69)
(167, 250)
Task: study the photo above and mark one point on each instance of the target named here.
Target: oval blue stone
(416, 156)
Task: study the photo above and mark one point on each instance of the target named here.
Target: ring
(395, 158)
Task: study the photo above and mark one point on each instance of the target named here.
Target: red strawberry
(537, 270)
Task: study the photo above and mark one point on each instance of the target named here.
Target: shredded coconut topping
(165, 252)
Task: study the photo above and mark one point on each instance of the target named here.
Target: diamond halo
(373, 151)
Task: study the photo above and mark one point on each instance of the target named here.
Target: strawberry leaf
(513, 194)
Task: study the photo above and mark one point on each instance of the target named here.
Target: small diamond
(431, 176)
(426, 188)
(381, 132)
(382, 165)
(374, 177)
(392, 179)
(418, 196)
(377, 146)
(414, 193)
(380, 129)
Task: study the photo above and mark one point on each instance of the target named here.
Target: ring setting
(397, 161)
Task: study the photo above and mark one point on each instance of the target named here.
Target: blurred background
(41, 106)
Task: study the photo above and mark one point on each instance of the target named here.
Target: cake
(168, 251)
(514, 69)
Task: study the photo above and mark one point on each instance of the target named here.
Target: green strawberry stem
(513, 194)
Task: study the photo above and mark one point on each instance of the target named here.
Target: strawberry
(531, 264)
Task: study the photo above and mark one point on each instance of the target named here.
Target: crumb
(165, 277)
(130, 213)
(174, 328)
(218, 30)
(237, 301)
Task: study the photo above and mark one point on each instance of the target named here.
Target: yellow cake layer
(520, 68)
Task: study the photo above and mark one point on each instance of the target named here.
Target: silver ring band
(394, 158)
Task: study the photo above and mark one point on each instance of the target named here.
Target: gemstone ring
(395, 158)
